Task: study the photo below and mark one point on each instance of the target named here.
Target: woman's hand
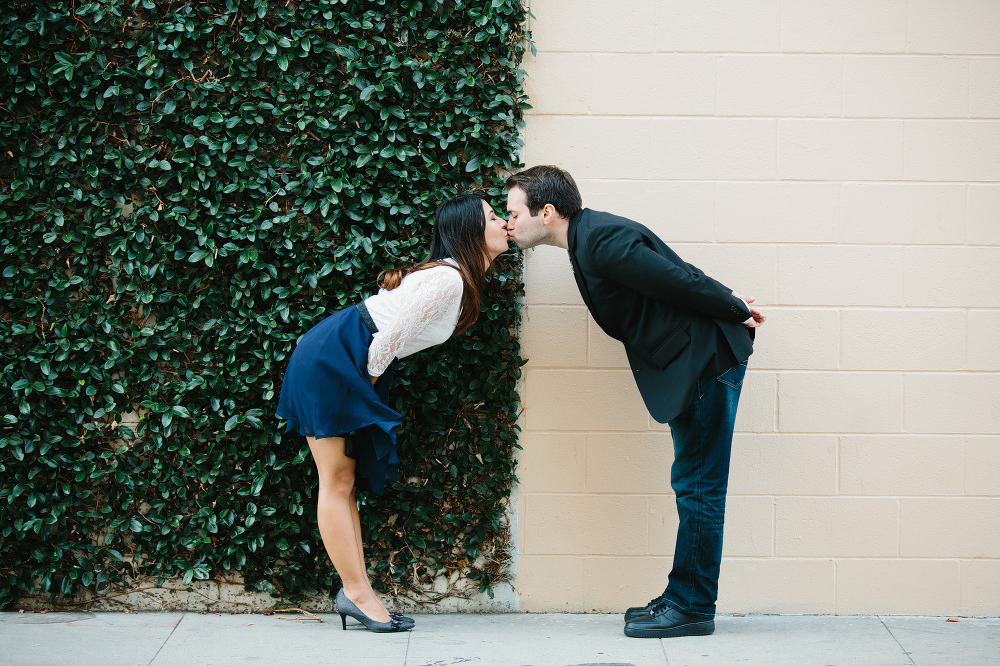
(374, 379)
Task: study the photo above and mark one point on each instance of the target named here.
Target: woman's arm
(434, 296)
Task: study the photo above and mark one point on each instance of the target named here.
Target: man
(688, 339)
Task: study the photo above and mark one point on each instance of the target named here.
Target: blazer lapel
(577, 248)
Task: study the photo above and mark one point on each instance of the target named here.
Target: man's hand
(758, 317)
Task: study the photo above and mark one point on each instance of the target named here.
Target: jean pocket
(733, 377)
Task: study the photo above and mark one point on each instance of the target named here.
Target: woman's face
(496, 232)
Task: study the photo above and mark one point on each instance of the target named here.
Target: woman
(335, 388)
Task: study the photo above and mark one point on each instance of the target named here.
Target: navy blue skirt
(327, 392)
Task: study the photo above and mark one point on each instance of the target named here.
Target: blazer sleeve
(620, 254)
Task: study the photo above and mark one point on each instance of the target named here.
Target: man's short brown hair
(548, 185)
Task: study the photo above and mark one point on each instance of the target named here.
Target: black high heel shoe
(346, 607)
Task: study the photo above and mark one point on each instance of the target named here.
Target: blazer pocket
(670, 348)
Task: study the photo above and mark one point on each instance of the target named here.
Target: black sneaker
(665, 622)
(638, 611)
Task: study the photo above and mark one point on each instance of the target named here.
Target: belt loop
(367, 318)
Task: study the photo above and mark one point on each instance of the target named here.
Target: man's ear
(548, 213)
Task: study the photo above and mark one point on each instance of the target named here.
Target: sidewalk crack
(406, 655)
(905, 651)
(666, 659)
(167, 639)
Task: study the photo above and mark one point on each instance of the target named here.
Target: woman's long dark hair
(459, 234)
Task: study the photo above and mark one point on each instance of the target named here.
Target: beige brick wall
(838, 159)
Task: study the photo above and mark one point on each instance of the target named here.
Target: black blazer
(675, 321)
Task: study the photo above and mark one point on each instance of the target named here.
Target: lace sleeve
(433, 297)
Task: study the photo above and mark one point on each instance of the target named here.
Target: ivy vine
(185, 189)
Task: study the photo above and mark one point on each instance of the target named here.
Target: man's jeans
(703, 441)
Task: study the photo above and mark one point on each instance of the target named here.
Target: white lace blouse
(420, 313)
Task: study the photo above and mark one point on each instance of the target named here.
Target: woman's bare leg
(339, 524)
(357, 526)
(357, 531)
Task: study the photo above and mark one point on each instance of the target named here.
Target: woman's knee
(336, 470)
(339, 480)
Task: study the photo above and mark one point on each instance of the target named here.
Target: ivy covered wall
(185, 189)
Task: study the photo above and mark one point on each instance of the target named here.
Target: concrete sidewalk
(162, 639)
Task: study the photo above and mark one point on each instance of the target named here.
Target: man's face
(525, 229)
